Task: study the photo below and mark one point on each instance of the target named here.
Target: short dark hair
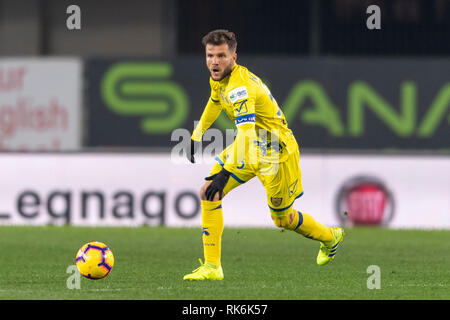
(220, 36)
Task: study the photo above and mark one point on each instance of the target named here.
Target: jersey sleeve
(210, 114)
(214, 95)
(243, 99)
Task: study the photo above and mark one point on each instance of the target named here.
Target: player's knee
(203, 193)
(281, 222)
(284, 221)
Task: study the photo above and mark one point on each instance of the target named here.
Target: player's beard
(226, 72)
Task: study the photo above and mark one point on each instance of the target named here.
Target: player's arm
(210, 114)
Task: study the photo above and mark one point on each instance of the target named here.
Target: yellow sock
(307, 226)
(212, 229)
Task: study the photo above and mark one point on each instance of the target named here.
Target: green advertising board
(329, 103)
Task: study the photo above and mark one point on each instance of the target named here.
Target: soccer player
(264, 147)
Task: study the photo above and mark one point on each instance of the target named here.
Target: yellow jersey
(249, 103)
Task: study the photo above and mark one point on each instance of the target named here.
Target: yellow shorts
(282, 181)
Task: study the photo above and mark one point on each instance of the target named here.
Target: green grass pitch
(258, 264)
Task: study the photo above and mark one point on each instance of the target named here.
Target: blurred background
(93, 98)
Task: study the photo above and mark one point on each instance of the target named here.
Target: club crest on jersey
(276, 201)
(238, 94)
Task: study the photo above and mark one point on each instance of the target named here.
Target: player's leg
(306, 225)
(303, 224)
(283, 187)
(213, 225)
(212, 219)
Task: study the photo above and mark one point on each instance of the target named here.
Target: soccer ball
(94, 260)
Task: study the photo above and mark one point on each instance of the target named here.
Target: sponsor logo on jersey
(248, 118)
(240, 107)
(293, 188)
(204, 232)
(238, 94)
